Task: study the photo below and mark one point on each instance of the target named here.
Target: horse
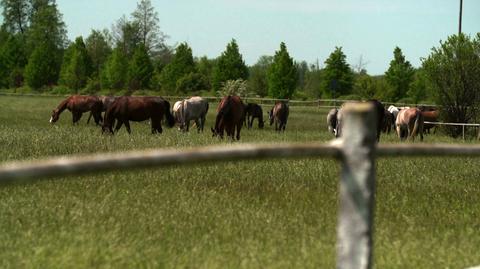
(409, 123)
(131, 108)
(230, 115)
(78, 104)
(176, 110)
(431, 116)
(194, 108)
(107, 101)
(254, 111)
(332, 121)
(279, 115)
(388, 121)
(379, 111)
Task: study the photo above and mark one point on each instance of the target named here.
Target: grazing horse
(130, 108)
(78, 104)
(388, 121)
(279, 115)
(230, 114)
(409, 123)
(107, 101)
(254, 111)
(194, 108)
(332, 121)
(431, 116)
(380, 115)
(176, 110)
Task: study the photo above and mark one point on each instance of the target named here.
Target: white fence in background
(457, 124)
(356, 151)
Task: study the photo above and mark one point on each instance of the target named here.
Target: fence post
(357, 187)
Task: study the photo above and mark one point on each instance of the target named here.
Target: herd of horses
(232, 113)
(408, 122)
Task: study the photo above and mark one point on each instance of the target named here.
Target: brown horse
(409, 123)
(431, 116)
(254, 111)
(78, 104)
(129, 108)
(388, 121)
(107, 101)
(279, 115)
(230, 114)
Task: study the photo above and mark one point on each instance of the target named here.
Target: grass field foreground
(251, 214)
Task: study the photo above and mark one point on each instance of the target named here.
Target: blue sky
(310, 28)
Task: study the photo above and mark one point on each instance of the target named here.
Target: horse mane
(63, 105)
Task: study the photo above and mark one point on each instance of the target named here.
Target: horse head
(55, 116)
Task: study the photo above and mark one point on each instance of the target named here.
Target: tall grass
(251, 214)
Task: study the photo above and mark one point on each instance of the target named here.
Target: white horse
(194, 108)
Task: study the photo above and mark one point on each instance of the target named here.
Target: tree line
(133, 55)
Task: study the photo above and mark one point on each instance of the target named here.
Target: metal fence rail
(456, 124)
(356, 151)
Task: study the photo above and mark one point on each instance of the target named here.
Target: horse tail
(168, 116)
(418, 126)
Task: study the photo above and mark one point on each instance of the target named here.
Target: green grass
(251, 214)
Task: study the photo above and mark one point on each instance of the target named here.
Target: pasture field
(252, 214)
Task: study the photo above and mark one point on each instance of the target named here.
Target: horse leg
(239, 128)
(89, 117)
(127, 125)
(119, 124)
(202, 123)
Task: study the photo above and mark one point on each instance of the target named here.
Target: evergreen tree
(76, 67)
(41, 68)
(16, 15)
(182, 64)
(147, 20)
(140, 69)
(115, 70)
(337, 75)
(282, 75)
(257, 81)
(126, 35)
(47, 30)
(399, 75)
(192, 83)
(230, 66)
(13, 61)
(98, 48)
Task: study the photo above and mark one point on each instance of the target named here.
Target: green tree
(365, 86)
(115, 71)
(282, 75)
(41, 69)
(399, 75)
(147, 20)
(140, 69)
(99, 48)
(230, 66)
(192, 84)
(257, 81)
(76, 66)
(181, 65)
(337, 75)
(420, 89)
(13, 61)
(16, 15)
(453, 70)
(126, 35)
(205, 67)
(47, 30)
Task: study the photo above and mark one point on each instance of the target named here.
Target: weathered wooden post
(357, 187)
